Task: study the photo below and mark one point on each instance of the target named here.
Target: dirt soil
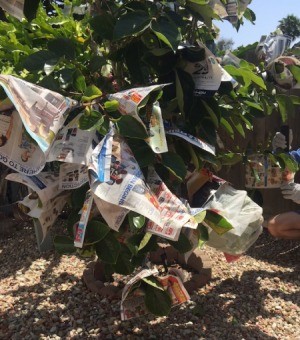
(43, 297)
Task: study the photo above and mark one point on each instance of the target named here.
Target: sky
(268, 13)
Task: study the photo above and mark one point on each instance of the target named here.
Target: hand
(279, 140)
(291, 191)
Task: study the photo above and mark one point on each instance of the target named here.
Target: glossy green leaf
(36, 61)
(166, 31)
(95, 231)
(111, 105)
(200, 216)
(290, 163)
(96, 63)
(124, 265)
(103, 25)
(295, 70)
(108, 249)
(225, 124)
(286, 107)
(62, 47)
(218, 223)
(153, 296)
(128, 126)
(90, 93)
(130, 24)
(145, 240)
(91, 121)
(203, 233)
(79, 81)
(30, 8)
(152, 281)
(136, 221)
(183, 245)
(64, 244)
(174, 163)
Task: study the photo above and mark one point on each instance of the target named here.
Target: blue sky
(268, 13)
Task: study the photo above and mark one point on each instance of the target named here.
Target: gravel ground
(43, 297)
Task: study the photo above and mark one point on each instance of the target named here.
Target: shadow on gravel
(284, 253)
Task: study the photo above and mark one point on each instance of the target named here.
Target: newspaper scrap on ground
(13, 7)
(30, 117)
(130, 101)
(126, 188)
(72, 176)
(84, 218)
(133, 299)
(73, 145)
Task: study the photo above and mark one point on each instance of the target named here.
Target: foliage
(117, 45)
(290, 25)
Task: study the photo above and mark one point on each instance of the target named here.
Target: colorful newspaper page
(85, 213)
(72, 176)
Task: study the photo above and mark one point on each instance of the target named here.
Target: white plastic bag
(244, 215)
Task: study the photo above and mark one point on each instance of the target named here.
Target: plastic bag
(244, 215)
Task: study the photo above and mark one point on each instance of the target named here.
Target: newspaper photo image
(72, 176)
(42, 111)
(130, 101)
(18, 150)
(73, 145)
(126, 187)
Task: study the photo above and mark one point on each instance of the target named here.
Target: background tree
(224, 44)
(290, 25)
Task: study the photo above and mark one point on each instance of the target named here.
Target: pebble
(244, 300)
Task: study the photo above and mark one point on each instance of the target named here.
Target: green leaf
(295, 70)
(79, 81)
(225, 124)
(289, 162)
(153, 296)
(152, 281)
(256, 106)
(237, 124)
(183, 245)
(136, 221)
(179, 94)
(200, 2)
(103, 25)
(124, 266)
(203, 233)
(96, 63)
(217, 222)
(175, 164)
(211, 113)
(90, 93)
(111, 105)
(166, 31)
(286, 106)
(295, 100)
(64, 244)
(78, 196)
(200, 216)
(95, 231)
(62, 47)
(230, 158)
(131, 24)
(91, 121)
(108, 249)
(36, 61)
(66, 77)
(145, 240)
(128, 126)
(30, 9)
